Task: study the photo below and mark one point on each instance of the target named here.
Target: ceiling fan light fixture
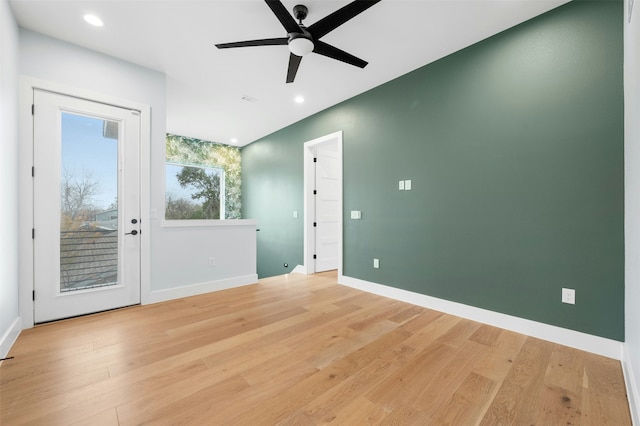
(300, 45)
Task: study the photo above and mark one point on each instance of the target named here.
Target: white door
(86, 206)
(327, 229)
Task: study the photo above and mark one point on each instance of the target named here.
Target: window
(194, 192)
(202, 180)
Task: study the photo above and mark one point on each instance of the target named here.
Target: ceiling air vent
(249, 99)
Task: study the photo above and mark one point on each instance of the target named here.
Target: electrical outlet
(569, 296)
(212, 262)
(295, 214)
(376, 263)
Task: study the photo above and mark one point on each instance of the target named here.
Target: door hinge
(314, 256)
(33, 109)
(315, 160)
(33, 233)
(33, 171)
(33, 295)
(315, 224)
(315, 192)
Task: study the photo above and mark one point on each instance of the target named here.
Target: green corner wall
(514, 147)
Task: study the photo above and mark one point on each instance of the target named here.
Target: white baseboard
(9, 337)
(575, 339)
(299, 269)
(632, 381)
(201, 288)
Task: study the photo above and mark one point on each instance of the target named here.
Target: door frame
(309, 201)
(25, 186)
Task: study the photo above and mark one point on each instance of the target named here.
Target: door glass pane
(88, 203)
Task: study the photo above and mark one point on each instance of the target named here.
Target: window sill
(194, 223)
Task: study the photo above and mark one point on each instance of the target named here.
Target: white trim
(631, 381)
(207, 223)
(25, 133)
(575, 339)
(9, 338)
(201, 288)
(299, 269)
(309, 201)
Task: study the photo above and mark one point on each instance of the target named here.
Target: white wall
(632, 207)
(9, 316)
(179, 256)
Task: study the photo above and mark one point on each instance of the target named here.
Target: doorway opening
(323, 204)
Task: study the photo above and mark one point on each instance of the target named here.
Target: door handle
(134, 232)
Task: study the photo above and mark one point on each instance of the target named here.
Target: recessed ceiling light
(299, 99)
(93, 20)
(234, 140)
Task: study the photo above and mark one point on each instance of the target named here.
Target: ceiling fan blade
(294, 63)
(325, 49)
(339, 17)
(283, 16)
(262, 42)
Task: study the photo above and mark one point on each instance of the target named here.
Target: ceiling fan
(302, 40)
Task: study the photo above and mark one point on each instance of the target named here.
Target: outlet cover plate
(569, 296)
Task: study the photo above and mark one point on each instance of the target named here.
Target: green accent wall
(514, 147)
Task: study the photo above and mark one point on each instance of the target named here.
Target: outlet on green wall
(514, 147)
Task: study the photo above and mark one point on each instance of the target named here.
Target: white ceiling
(205, 86)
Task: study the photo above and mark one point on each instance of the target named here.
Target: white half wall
(563, 336)
(186, 252)
(631, 359)
(9, 275)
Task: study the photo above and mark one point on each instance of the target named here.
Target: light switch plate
(407, 185)
(401, 185)
(356, 214)
(295, 214)
(376, 263)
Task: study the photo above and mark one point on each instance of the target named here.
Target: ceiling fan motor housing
(300, 12)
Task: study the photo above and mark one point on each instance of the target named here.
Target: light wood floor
(299, 350)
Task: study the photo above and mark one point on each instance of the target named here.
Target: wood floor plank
(392, 355)
(298, 350)
(498, 361)
(468, 402)
(517, 400)
(106, 418)
(358, 411)
(447, 379)
(411, 379)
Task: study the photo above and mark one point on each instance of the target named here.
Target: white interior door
(86, 206)
(327, 207)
